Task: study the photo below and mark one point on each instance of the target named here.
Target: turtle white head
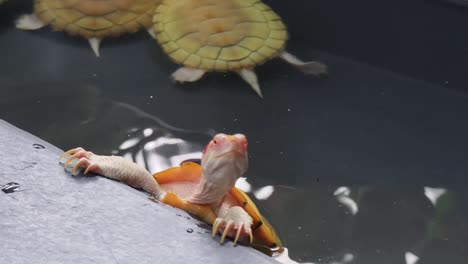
(224, 160)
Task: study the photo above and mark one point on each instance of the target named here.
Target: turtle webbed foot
(29, 22)
(312, 67)
(235, 224)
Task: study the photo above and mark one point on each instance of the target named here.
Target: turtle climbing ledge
(93, 220)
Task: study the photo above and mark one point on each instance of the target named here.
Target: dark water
(366, 166)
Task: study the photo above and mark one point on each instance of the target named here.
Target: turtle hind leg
(312, 67)
(251, 78)
(29, 22)
(186, 74)
(95, 44)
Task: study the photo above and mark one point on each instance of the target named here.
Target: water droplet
(189, 230)
(38, 146)
(11, 187)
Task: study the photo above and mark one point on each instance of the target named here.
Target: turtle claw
(226, 230)
(234, 227)
(84, 161)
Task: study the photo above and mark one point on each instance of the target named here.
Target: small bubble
(189, 230)
(281, 152)
(299, 227)
(38, 146)
(94, 74)
(289, 109)
(235, 120)
(151, 97)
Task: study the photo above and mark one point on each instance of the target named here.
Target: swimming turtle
(222, 36)
(206, 191)
(91, 19)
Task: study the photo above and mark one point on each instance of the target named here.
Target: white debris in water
(433, 194)
(128, 156)
(264, 192)
(411, 258)
(129, 143)
(147, 132)
(343, 190)
(342, 195)
(242, 184)
(161, 142)
(349, 203)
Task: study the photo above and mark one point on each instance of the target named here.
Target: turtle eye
(215, 142)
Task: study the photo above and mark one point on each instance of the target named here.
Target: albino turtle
(206, 191)
(223, 35)
(91, 19)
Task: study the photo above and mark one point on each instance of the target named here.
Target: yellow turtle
(208, 190)
(223, 35)
(91, 19)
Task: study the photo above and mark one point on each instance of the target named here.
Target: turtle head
(224, 160)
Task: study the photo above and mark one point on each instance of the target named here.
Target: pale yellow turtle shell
(91, 19)
(219, 35)
(223, 35)
(96, 18)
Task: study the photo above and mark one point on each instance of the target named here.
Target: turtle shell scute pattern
(96, 18)
(219, 35)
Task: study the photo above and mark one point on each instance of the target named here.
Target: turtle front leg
(29, 22)
(112, 167)
(312, 67)
(235, 223)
